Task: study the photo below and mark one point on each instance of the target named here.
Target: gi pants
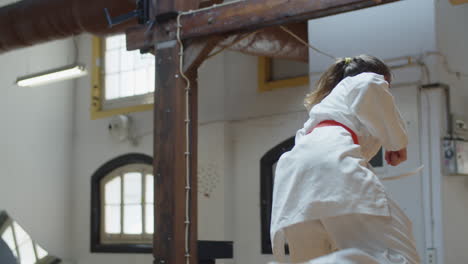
(388, 239)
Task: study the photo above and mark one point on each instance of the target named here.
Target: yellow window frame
(97, 87)
(265, 78)
(458, 2)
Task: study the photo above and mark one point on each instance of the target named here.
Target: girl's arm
(374, 106)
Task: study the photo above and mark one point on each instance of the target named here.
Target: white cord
(305, 43)
(426, 54)
(187, 142)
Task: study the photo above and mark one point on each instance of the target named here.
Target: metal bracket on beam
(141, 13)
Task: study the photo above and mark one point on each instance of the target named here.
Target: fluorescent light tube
(55, 75)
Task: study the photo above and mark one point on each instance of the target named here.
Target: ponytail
(341, 69)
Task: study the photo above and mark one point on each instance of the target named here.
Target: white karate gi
(346, 256)
(326, 174)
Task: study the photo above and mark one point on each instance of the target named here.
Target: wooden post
(169, 162)
(170, 148)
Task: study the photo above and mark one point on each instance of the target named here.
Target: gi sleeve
(374, 106)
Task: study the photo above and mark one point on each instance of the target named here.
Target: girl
(326, 197)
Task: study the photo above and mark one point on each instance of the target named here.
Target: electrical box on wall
(455, 148)
(459, 127)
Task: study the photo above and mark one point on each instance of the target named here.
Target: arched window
(267, 177)
(122, 205)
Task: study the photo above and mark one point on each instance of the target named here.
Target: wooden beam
(170, 140)
(245, 16)
(169, 161)
(196, 52)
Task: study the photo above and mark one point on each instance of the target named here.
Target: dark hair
(341, 69)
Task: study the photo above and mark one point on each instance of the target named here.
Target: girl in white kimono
(326, 197)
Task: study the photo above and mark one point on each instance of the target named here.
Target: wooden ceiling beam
(244, 16)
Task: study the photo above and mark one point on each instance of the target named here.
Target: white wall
(215, 195)
(243, 101)
(386, 31)
(452, 40)
(35, 145)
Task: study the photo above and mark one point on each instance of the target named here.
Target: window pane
(26, 252)
(141, 81)
(152, 79)
(149, 219)
(112, 64)
(132, 188)
(112, 191)
(112, 219)
(112, 86)
(7, 236)
(133, 72)
(40, 252)
(21, 235)
(139, 63)
(115, 42)
(127, 62)
(149, 195)
(127, 84)
(132, 219)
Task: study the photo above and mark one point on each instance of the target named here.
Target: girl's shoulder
(362, 83)
(364, 79)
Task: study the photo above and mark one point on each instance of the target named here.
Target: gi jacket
(326, 174)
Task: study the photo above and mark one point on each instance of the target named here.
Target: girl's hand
(394, 158)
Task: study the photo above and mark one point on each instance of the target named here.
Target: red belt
(334, 123)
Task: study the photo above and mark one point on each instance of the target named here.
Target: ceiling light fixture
(59, 74)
